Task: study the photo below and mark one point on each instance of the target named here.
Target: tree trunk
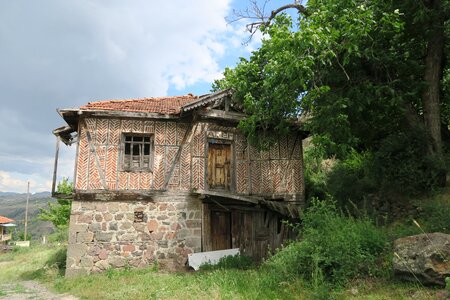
(433, 72)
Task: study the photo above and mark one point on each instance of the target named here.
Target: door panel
(219, 166)
(220, 230)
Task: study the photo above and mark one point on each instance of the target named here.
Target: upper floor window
(137, 152)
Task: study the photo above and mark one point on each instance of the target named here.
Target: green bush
(334, 248)
(350, 178)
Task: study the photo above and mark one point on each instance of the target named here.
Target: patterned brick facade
(277, 170)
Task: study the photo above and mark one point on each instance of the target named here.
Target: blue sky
(62, 54)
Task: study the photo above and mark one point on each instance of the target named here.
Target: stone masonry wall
(116, 234)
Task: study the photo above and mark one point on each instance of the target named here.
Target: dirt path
(25, 290)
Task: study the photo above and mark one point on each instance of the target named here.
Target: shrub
(350, 178)
(333, 247)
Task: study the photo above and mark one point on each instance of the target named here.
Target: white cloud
(17, 182)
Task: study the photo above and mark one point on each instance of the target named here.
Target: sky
(63, 54)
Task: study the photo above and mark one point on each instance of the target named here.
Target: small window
(137, 152)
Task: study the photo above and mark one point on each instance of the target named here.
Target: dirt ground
(25, 290)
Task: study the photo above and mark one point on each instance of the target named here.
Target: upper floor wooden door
(219, 166)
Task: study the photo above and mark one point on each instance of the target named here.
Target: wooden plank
(220, 230)
(55, 166)
(254, 200)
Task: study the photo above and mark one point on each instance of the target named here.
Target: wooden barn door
(220, 230)
(219, 166)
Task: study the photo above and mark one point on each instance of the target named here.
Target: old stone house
(159, 178)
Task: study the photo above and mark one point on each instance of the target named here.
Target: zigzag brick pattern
(283, 142)
(181, 132)
(274, 151)
(102, 132)
(241, 177)
(266, 184)
(145, 181)
(149, 127)
(298, 177)
(160, 131)
(256, 177)
(136, 126)
(133, 183)
(114, 132)
(171, 154)
(123, 180)
(185, 161)
(276, 175)
(171, 133)
(126, 125)
(82, 162)
(196, 172)
(241, 147)
(159, 166)
(91, 126)
(94, 177)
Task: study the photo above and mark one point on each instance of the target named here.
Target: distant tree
(59, 213)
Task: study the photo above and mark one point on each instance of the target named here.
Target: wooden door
(220, 230)
(219, 166)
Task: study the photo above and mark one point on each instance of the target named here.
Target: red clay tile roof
(170, 105)
(4, 220)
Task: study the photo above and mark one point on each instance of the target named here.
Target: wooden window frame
(123, 156)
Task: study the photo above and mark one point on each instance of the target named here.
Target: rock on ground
(424, 257)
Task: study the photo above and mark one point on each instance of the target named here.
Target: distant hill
(12, 205)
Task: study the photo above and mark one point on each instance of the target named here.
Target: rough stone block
(73, 272)
(84, 219)
(107, 216)
(117, 261)
(183, 233)
(113, 207)
(76, 250)
(86, 262)
(192, 242)
(103, 254)
(102, 265)
(152, 225)
(127, 237)
(85, 237)
(103, 236)
(125, 225)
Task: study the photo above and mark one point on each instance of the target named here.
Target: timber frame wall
(180, 159)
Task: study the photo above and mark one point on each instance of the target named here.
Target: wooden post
(26, 212)
(55, 166)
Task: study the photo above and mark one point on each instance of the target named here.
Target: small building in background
(5, 231)
(159, 178)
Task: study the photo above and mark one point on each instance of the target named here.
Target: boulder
(424, 257)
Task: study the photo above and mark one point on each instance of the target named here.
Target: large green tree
(364, 71)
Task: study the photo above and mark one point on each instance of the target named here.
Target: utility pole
(26, 212)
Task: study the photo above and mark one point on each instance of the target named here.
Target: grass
(33, 263)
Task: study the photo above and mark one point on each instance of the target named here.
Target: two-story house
(159, 178)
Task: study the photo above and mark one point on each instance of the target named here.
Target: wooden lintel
(101, 195)
(221, 114)
(229, 195)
